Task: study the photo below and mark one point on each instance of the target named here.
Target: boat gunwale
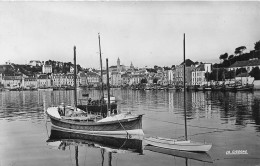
(91, 123)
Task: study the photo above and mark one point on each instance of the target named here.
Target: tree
(223, 56)
(188, 62)
(255, 73)
(166, 68)
(240, 50)
(230, 57)
(257, 46)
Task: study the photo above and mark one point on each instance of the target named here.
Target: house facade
(43, 81)
(46, 69)
(198, 74)
(30, 82)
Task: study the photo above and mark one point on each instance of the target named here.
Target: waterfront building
(116, 79)
(160, 75)
(170, 76)
(30, 82)
(198, 74)
(70, 79)
(105, 77)
(179, 75)
(63, 80)
(125, 79)
(59, 79)
(13, 80)
(43, 81)
(93, 78)
(136, 78)
(83, 78)
(189, 74)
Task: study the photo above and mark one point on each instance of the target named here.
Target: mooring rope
(212, 128)
(127, 134)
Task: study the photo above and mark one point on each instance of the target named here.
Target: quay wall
(257, 84)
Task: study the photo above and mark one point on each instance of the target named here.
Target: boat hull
(178, 145)
(112, 142)
(132, 125)
(204, 157)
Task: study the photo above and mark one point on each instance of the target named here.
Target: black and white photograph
(129, 83)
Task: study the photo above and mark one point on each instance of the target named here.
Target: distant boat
(248, 87)
(182, 145)
(73, 119)
(45, 89)
(207, 88)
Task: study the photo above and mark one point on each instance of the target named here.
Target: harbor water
(230, 121)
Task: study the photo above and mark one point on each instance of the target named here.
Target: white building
(30, 82)
(170, 76)
(46, 69)
(116, 79)
(60, 80)
(12, 81)
(43, 81)
(198, 74)
(35, 63)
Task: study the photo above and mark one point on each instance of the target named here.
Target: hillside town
(241, 69)
(15, 77)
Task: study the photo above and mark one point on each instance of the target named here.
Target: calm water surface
(230, 121)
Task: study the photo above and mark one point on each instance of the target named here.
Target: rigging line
(191, 125)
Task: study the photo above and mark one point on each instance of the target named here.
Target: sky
(145, 33)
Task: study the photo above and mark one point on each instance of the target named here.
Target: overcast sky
(145, 33)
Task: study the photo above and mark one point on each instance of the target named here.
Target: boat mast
(184, 80)
(75, 78)
(108, 89)
(102, 88)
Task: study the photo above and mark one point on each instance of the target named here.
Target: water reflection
(212, 110)
(202, 157)
(239, 108)
(107, 144)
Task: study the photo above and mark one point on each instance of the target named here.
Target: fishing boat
(182, 145)
(248, 87)
(73, 119)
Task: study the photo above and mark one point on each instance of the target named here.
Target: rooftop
(254, 62)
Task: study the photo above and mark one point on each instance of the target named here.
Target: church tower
(131, 66)
(118, 64)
